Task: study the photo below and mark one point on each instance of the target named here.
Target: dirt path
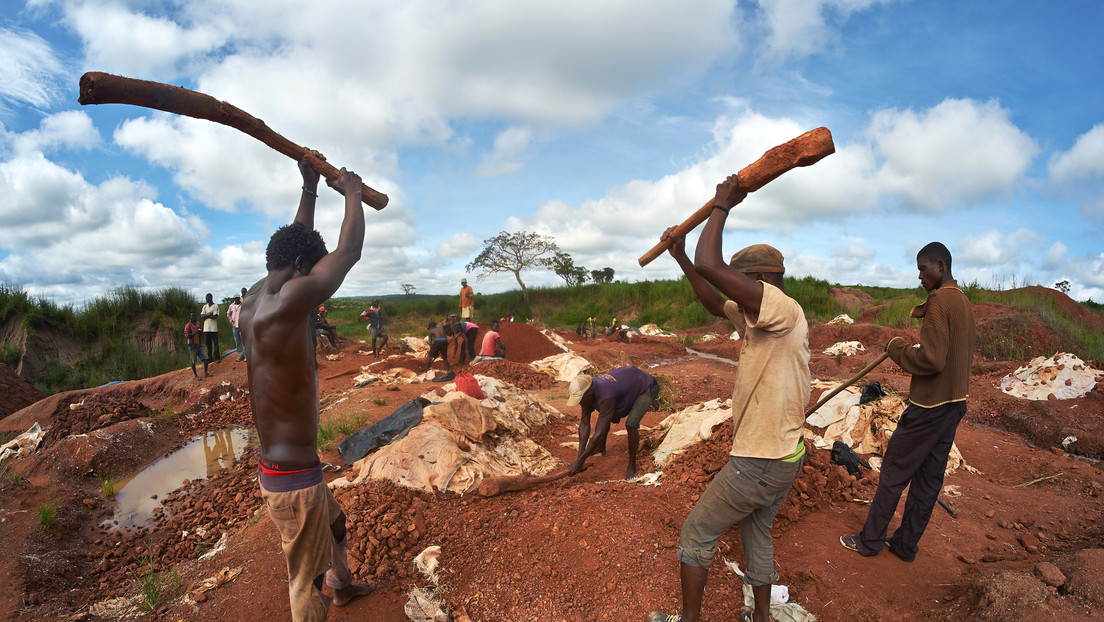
(592, 547)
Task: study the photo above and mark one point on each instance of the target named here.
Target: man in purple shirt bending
(622, 393)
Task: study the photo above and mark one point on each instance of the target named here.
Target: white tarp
(690, 426)
(24, 444)
(461, 441)
(841, 320)
(846, 348)
(652, 330)
(416, 345)
(781, 609)
(1063, 376)
(556, 339)
(563, 367)
(866, 428)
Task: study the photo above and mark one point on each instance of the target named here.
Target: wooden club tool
(809, 148)
(104, 88)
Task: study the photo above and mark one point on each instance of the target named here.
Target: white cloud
(799, 28)
(458, 245)
(509, 146)
(994, 248)
(955, 153)
(71, 129)
(28, 67)
(1054, 255)
(1084, 160)
(140, 44)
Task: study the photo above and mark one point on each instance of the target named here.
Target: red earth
(1026, 544)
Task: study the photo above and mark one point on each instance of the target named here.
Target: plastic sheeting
(24, 444)
(654, 331)
(690, 426)
(841, 320)
(866, 428)
(1062, 376)
(461, 440)
(389, 429)
(846, 348)
(563, 367)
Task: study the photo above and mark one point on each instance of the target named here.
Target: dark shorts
(195, 353)
(438, 347)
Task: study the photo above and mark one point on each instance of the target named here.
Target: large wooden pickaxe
(809, 148)
(104, 88)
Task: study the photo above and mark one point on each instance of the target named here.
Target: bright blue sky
(977, 124)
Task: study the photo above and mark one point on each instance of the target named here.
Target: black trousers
(467, 349)
(916, 457)
(213, 353)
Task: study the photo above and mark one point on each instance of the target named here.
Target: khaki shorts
(304, 518)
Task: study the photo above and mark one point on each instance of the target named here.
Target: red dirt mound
(524, 343)
(93, 412)
(518, 374)
(15, 393)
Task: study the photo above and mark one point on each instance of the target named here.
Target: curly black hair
(291, 241)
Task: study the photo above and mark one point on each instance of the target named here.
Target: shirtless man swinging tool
(283, 389)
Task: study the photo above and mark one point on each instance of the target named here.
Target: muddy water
(137, 497)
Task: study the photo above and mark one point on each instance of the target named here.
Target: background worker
(209, 314)
(464, 333)
(283, 391)
(374, 316)
(467, 301)
(195, 350)
(232, 313)
(916, 456)
(438, 345)
(492, 343)
(768, 407)
(622, 393)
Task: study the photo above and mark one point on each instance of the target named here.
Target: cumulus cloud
(509, 145)
(995, 248)
(955, 153)
(799, 28)
(139, 44)
(1084, 160)
(71, 129)
(28, 68)
(458, 245)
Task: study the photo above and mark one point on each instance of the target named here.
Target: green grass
(47, 514)
(151, 584)
(107, 486)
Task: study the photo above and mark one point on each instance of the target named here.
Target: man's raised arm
(708, 261)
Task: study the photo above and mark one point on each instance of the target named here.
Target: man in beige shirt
(768, 406)
(916, 455)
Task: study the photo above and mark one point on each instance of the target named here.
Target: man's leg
(301, 517)
(912, 441)
(634, 445)
(726, 501)
(926, 486)
(640, 406)
(338, 576)
(775, 479)
(238, 343)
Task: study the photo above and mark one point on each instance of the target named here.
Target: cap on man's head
(577, 388)
(758, 258)
(463, 281)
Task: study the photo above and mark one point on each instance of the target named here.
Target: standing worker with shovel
(916, 455)
(768, 404)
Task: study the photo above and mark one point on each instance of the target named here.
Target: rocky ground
(1026, 543)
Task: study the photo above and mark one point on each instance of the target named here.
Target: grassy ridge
(105, 326)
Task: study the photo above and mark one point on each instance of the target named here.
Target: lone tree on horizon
(408, 289)
(564, 266)
(513, 252)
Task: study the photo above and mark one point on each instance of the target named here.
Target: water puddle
(713, 357)
(137, 497)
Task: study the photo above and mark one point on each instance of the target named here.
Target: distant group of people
(771, 391)
(203, 339)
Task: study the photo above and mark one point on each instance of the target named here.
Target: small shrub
(168, 413)
(107, 486)
(327, 434)
(379, 401)
(46, 515)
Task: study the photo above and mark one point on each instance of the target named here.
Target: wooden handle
(104, 88)
(807, 149)
(864, 371)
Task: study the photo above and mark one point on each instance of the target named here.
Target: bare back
(279, 343)
(283, 378)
